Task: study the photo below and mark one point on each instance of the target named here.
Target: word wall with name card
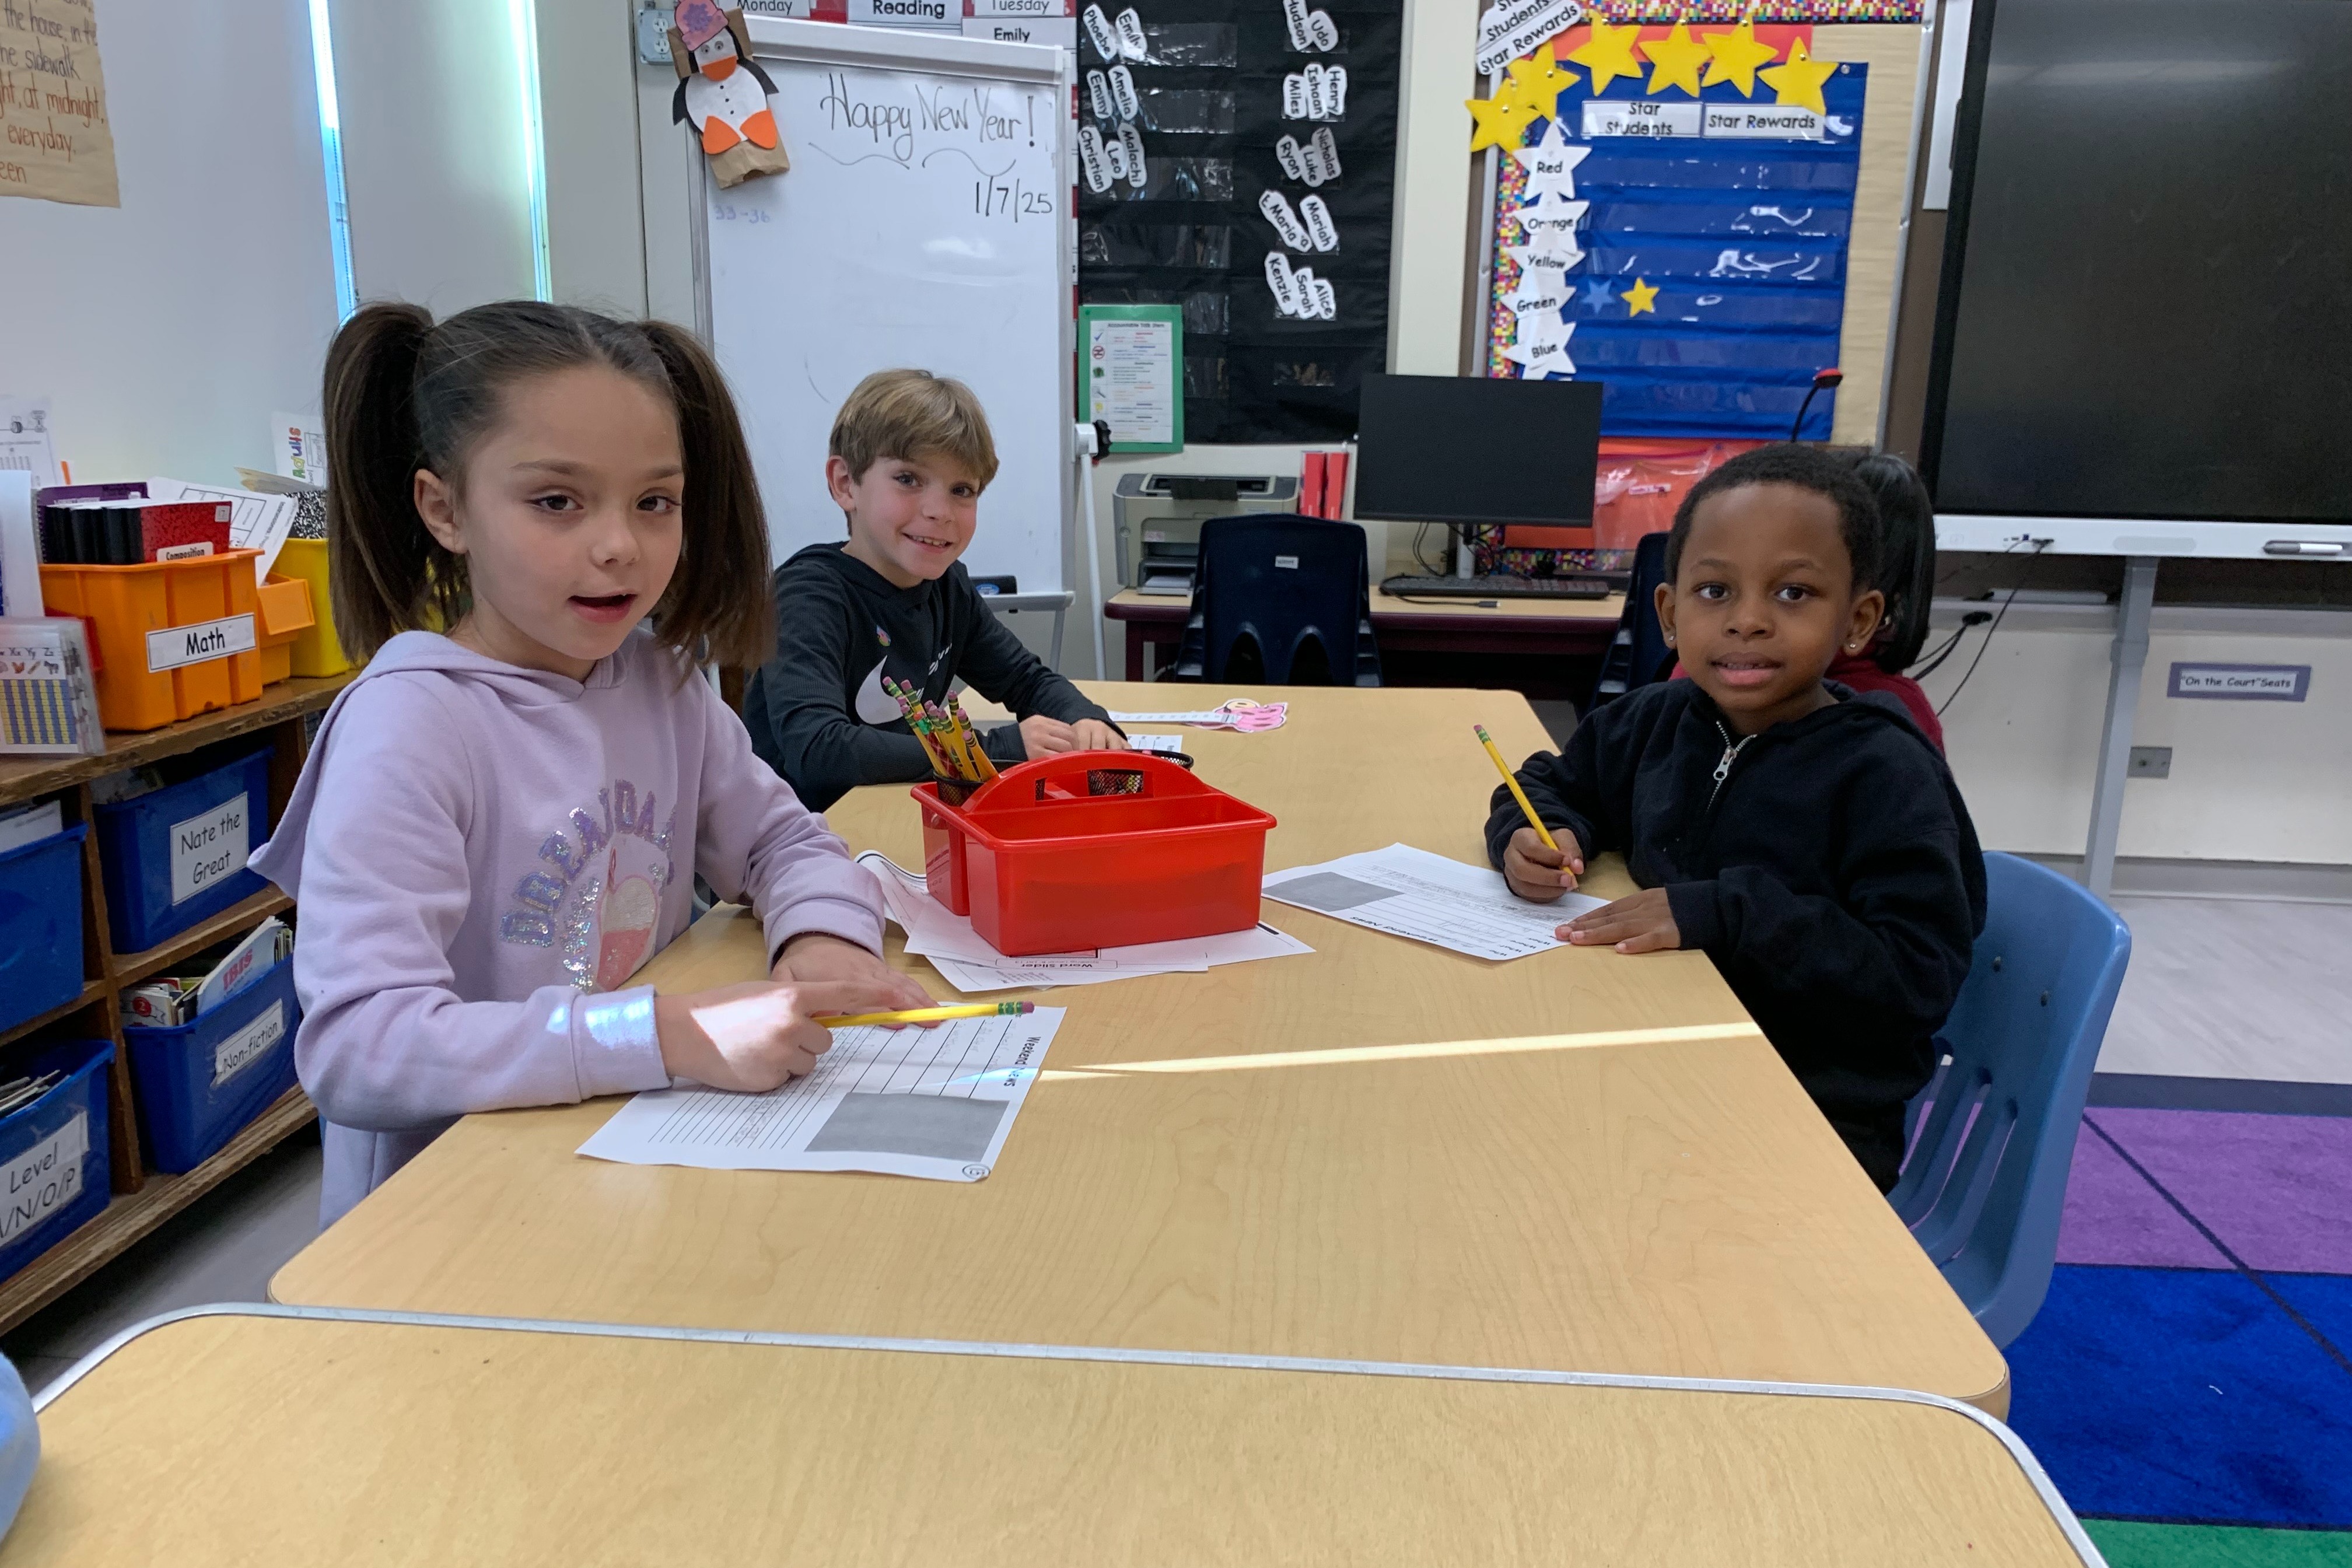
(1671, 221)
(1238, 160)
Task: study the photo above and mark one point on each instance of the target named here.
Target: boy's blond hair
(913, 414)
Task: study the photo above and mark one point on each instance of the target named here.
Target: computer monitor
(1477, 453)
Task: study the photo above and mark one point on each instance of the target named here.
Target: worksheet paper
(966, 960)
(1166, 745)
(1409, 892)
(935, 1103)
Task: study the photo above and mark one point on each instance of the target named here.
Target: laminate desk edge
(2018, 1453)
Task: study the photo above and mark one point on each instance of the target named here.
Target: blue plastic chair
(1985, 1182)
(1282, 582)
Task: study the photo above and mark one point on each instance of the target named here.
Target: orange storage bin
(175, 639)
(317, 651)
(283, 607)
(1090, 849)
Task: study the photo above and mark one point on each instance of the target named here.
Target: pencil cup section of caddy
(1091, 849)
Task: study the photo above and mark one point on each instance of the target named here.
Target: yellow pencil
(1517, 793)
(958, 741)
(972, 738)
(932, 1014)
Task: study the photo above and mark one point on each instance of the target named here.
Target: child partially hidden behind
(1810, 839)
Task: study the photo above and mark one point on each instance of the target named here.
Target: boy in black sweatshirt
(1811, 840)
(910, 453)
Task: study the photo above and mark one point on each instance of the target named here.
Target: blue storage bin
(53, 1170)
(200, 1083)
(176, 857)
(40, 925)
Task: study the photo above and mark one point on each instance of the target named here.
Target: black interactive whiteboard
(2147, 299)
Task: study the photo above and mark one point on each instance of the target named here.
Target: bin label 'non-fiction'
(45, 1178)
(247, 1045)
(207, 846)
(176, 646)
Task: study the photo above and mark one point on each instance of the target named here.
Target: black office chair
(1638, 655)
(1291, 596)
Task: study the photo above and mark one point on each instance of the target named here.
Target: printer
(1156, 520)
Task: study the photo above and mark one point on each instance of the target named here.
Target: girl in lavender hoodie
(500, 824)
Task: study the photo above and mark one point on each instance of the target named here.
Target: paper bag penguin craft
(723, 93)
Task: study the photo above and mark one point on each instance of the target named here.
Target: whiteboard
(926, 221)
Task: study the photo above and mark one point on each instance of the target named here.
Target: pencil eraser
(1028, 1006)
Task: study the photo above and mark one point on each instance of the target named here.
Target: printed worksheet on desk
(1412, 893)
(935, 1103)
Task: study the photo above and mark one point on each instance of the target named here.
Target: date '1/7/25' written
(1012, 199)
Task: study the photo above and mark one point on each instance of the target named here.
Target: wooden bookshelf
(143, 1198)
(133, 1215)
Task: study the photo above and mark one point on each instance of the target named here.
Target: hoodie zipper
(1731, 749)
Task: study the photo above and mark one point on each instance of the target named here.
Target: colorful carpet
(2188, 1382)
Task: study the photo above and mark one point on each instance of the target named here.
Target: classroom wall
(169, 329)
(596, 223)
(434, 158)
(1433, 252)
(2250, 780)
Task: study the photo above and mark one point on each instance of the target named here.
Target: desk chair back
(1638, 655)
(1986, 1178)
(1283, 582)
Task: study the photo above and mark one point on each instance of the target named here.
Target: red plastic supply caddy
(1090, 849)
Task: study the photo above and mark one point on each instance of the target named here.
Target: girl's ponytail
(383, 569)
(718, 602)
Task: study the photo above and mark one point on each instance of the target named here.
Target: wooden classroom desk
(248, 1437)
(1382, 1150)
(1523, 626)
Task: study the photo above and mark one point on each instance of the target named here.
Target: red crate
(1042, 864)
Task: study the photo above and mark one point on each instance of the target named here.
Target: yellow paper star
(1536, 83)
(1608, 54)
(1676, 59)
(1502, 120)
(1640, 298)
(1799, 81)
(1737, 54)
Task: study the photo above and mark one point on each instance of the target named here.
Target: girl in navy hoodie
(1809, 838)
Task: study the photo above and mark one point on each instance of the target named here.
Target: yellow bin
(316, 650)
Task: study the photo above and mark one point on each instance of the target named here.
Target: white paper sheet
(934, 1103)
(1411, 893)
(26, 440)
(1166, 745)
(256, 521)
(966, 960)
(20, 547)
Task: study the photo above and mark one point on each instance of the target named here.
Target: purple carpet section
(2270, 1187)
(2114, 1217)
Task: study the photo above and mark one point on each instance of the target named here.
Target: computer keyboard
(1495, 588)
